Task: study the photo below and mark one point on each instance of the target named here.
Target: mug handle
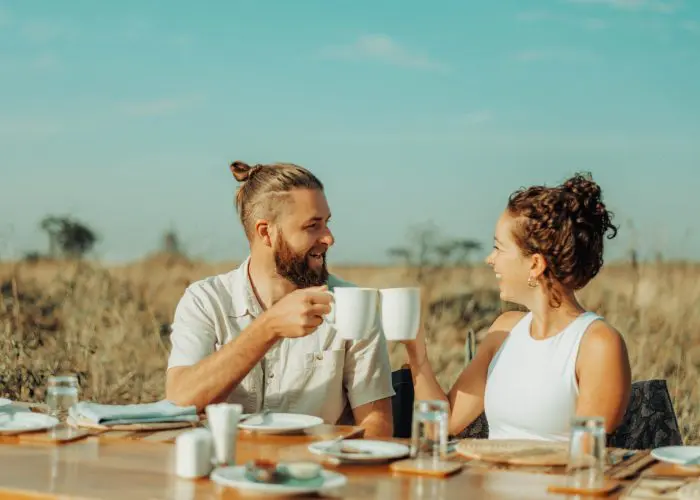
(330, 320)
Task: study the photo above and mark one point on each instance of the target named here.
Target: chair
(402, 402)
(402, 408)
(478, 429)
(650, 420)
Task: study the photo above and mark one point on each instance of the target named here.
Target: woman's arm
(466, 398)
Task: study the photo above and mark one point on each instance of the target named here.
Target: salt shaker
(193, 452)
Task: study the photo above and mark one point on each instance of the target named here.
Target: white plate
(25, 421)
(676, 454)
(5, 401)
(381, 451)
(276, 423)
(235, 478)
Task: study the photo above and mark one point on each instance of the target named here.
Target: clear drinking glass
(586, 464)
(429, 431)
(61, 393)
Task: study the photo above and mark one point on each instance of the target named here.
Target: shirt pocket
(316, 383)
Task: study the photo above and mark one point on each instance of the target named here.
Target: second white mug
(400, 312)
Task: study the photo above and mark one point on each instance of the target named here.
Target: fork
(265, 414)
(335, 446)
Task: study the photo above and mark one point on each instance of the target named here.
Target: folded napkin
(160, 411)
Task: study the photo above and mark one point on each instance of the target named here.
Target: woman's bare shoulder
(501, 327)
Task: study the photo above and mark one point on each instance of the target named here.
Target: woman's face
(512, 268)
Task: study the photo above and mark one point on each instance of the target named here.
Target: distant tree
(430, 257)
(68, 237)
(52, 226)
(428, 251)
(171, 243)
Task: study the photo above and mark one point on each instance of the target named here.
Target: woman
(534, 371)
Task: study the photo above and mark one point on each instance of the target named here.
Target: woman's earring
(531, 282)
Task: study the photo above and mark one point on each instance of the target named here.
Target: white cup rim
(355, 288)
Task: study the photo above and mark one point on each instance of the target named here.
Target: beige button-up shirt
(320, 374)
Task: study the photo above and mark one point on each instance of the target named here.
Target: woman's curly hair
(566, 225)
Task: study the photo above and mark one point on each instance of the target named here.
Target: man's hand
(298, 313)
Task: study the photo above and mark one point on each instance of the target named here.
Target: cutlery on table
(265, 414)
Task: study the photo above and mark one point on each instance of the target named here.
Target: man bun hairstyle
(263, 189)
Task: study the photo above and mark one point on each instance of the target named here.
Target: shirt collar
(242, 295)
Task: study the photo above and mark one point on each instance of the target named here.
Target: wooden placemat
(621, 464)
(515, 452)
(663, 469)
(646, 488)
(146, 426)
(631, 466)
(412, 466)
(59, 435)
(158, 436)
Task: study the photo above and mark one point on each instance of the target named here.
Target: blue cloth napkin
(160, 411)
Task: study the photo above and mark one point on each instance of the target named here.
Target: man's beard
(295, 267)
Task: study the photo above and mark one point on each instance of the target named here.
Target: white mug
(353, 311)
(400, 313)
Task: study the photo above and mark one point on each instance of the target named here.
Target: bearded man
(257, 335)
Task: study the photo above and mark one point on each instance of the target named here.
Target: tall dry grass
(111, 325)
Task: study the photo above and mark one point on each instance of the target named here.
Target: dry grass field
(111, 325)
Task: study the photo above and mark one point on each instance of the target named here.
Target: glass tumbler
(429, 431)
(586, 462)
(62, 392)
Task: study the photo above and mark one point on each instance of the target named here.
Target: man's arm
(198, 375)
(367, 378)
(376, 418)
(201, 374)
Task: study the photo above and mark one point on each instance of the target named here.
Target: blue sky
(126, 115)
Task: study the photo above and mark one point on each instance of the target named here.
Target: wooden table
(99, 467)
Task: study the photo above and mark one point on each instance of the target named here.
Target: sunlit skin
(602, 367)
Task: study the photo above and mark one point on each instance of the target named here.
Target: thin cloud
(384, 49)
(21, 128)
(594, 24)
(553, 54)
(478, 117)
(45, 62)
(536, 16)
(159, 107)
(5, 16)
(531, 16)
(691, 26)
(659, 6)
(42, 32)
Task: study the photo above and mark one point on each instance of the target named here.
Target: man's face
(302, 237)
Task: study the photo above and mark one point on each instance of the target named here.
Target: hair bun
(242, 171)
(583, 188)
(586, 203)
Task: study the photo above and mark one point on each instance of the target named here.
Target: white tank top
(531, 387)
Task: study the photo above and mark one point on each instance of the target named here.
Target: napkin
(160, 411)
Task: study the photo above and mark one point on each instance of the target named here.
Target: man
(257, 335)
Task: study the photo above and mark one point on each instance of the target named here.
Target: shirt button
(319, 356)
(272, 375)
